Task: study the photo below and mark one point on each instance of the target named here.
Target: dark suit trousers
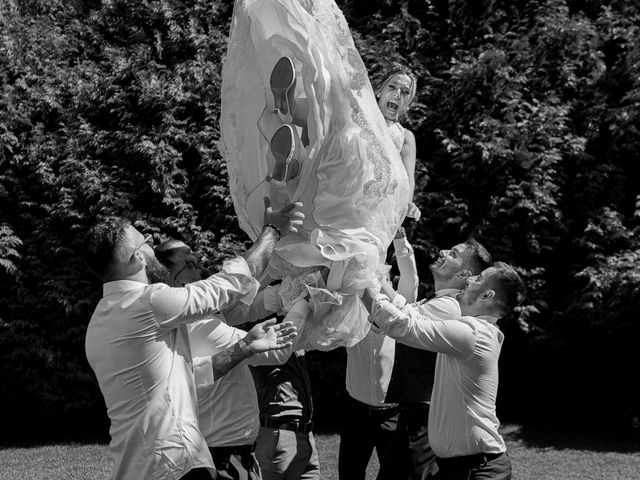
(363, 429)
(409, 456)
(198, 474)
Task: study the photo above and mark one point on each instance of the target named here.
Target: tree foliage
(527, 122)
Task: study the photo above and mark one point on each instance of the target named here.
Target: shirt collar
(488, 318)
(447, 292)
(121, 286)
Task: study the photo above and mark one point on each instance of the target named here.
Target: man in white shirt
(138, 347)
(409, 454)
(228, 411)
(463, 426)
(368, 421)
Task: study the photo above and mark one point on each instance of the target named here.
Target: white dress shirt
(138, 347)
(370, 361)
(462, 419)
(227, 408)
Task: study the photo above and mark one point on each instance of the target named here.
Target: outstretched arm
(408, 284)
(266, 303)
(439, 329)
(408, 154)
(276, 222)
(263, 337)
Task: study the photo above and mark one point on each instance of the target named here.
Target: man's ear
(465, 274)
(488, 295)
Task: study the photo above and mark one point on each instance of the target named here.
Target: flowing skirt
(353, 184)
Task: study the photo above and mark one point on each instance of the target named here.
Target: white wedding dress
(353, 184)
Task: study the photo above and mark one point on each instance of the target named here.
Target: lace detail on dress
(381, 185)
(334, 27)
(397, 135)
(293, 289)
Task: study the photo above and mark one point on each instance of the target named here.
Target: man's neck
(474, 312)
(140, 276)
(443, 285)
(488, 317)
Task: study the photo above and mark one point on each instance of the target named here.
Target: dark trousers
(484, 466)
(198, 474)
(235, 463)
(363, 429)
(409, 456)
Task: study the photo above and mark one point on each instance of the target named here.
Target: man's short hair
(478, 258)
(101, 243)
(509, 287)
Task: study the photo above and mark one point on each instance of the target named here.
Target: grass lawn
(536, 455)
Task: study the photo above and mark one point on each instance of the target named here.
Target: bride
(300, 122)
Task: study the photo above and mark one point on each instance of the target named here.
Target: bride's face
(395, 96)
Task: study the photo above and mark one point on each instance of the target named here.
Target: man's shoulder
(444, 303)
(484, 328)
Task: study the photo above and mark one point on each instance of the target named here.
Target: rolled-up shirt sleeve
(408, 283)
(452, 336)
(199, 300)
(265, 303)
(208, 338)
(203, 372)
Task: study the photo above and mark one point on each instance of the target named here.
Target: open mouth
(438, 262)
(392, 106)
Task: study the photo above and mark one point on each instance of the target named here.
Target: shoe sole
(283, 148)
(282, 79)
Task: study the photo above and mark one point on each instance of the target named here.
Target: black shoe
(284, 161)
(283, 86)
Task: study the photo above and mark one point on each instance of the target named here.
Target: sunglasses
(148, 240)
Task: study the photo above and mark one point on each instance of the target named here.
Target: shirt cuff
(383, 313)
(399, 301)
(402, 247)
(203, 372)
(238, 266)
(272, 299)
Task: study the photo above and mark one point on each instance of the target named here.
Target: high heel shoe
(283, 159)
(283, 86)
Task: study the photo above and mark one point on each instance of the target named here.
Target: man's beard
(468, 298)
(156, 272)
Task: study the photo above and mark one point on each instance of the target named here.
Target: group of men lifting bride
(164, 342)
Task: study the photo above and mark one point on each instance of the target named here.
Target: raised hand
(268, 335)
(286, 219)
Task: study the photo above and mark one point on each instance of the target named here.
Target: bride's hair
(398, 69)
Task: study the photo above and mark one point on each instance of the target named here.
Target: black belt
(384, 410)
(389, 409)
(477, 459)
(291, 425)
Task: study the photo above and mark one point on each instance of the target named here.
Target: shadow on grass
(51, 439)
(571, 439)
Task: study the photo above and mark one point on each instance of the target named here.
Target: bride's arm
(408, 154)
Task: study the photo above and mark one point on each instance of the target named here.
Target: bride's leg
(290, 109)
(300, 115)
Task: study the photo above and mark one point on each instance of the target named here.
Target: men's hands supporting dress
(267, 336)
(285, 219)
(276, 223)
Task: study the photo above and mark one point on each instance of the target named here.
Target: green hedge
(527, 126)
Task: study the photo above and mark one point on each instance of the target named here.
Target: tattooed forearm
(227, 359)
(258, 255)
